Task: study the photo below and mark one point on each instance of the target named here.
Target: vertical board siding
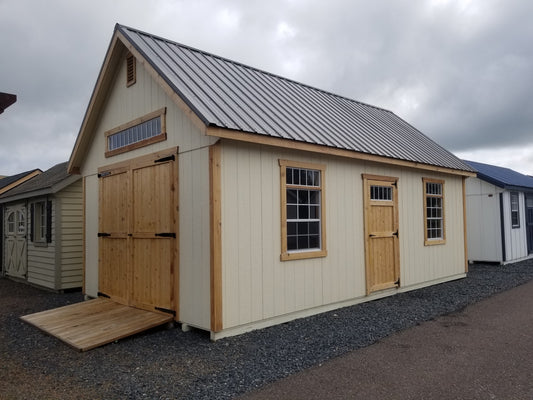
(194, 266)
(256, 285)
(126, 104)
(515, 238)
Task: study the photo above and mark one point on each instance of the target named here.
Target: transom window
(141, 132)
(515, 210)
(380, 193)
(434, 211)
(302, 210)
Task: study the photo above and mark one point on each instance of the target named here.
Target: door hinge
(103, 234)
(164, 159)
(166, 234)
(397, 283)
(371, 235)
(395, 233)
(100, 294)
(166, 310)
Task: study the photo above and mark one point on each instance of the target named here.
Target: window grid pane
(434, 214)
(303, 209)
(135, 134)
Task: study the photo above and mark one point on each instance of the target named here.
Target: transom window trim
(434, 215)
(302, 210)
(515, 209)
(148, 129)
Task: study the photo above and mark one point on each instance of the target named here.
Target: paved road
(483, 352)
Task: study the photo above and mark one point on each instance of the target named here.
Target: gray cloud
(459, 70)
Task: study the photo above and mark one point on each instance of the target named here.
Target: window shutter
(48, 221)
(32, 220)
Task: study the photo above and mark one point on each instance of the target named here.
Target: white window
(302, 211)
(515, 210)
(21, 222)
(39, 222)
(434, 211)
(11, 223)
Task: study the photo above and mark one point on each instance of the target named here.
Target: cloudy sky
(461, 71)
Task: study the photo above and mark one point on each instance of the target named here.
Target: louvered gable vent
(130, 66)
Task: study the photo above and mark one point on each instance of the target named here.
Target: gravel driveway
(167, 363)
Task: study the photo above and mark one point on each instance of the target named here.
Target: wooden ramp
(93, 323)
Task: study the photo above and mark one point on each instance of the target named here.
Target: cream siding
(42, 260)
(194, 277)
(125, 104)
(257, 286)
(70, 236)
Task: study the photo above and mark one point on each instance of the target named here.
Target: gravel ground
(171, 364)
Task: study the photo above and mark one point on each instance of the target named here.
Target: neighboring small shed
(42, 230)
(235, 199)
(499, 214)
(7, 183)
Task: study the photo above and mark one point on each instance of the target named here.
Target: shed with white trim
(500, 214)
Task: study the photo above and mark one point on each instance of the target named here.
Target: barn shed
(42, 230)
(500, 214)
(234, 199)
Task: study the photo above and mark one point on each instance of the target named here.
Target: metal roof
(228, 94)
(41, 184)
(503, 177)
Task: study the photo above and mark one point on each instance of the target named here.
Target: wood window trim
(131, 70)
(299, 255)
(431, 242)
(146, 142)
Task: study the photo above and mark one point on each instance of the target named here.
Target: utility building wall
(258, 289)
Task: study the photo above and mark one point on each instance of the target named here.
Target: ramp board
(93, 323)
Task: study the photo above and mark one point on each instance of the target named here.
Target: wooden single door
(15, 232)
(138, 232)
(381, 233)
(153, 235)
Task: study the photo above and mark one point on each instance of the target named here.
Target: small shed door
(15, 232)
(529, 222)
(381, 233)
(138, 232)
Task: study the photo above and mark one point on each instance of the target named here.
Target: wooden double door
(138, 231)
(381, 233)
